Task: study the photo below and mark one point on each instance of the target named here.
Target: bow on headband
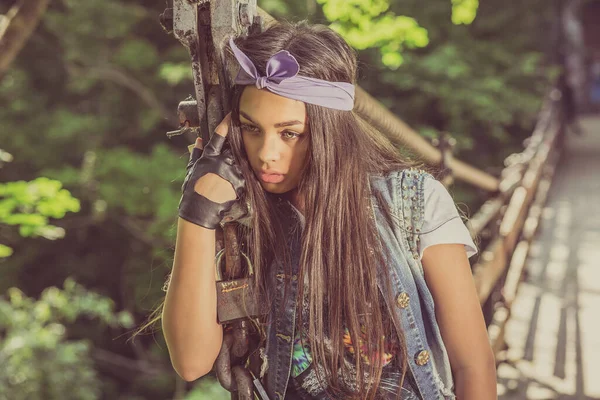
(282, 78)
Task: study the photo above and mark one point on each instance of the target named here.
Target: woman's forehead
(268, 109)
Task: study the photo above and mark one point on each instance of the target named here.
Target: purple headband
(283, 79)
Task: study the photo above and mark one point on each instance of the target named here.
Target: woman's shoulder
(442, 222)
(403, 191)
(427, 208)
(413, 174)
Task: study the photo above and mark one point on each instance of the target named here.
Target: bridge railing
(506, 223)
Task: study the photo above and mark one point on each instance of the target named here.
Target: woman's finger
(215, 144)
(195, 153)
(223, 128)
(196, 145)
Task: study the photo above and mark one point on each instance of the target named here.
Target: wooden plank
(514, 218)
(518, 261)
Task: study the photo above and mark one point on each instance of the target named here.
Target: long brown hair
(340, 244)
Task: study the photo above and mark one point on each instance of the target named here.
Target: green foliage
(151, 195)
(364, 25)
(208, 389)
(5, 251)
(464, 11)
(29, 205)
(175, 73)
(39, 361)
(370, 24)
(89, 27)
(482, 83)
(137, 55)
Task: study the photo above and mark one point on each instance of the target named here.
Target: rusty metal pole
(204, 27)
(185, 16)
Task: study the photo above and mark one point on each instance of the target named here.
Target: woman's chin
(274, 188)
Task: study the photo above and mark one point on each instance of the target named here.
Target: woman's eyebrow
(277, 125)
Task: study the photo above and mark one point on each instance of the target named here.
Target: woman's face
(275, 135)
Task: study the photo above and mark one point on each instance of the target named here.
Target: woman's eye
(288, 135)
(295, 135)
(249, 128)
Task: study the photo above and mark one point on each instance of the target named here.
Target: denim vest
(428, 359)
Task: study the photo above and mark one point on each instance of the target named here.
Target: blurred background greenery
(88, 204)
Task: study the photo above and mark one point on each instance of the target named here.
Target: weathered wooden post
(204, 27)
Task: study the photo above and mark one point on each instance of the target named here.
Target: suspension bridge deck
(554, 330)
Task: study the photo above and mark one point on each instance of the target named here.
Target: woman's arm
(189, 318)
(460, 318)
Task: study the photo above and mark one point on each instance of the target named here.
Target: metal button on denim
(402, 300)
(422, 357)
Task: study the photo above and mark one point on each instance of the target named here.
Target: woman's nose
(270, 149)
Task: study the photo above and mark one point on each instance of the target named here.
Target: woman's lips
(270, 178)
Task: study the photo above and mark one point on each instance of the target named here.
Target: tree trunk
(16, 27)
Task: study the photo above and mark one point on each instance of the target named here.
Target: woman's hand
(212, 181)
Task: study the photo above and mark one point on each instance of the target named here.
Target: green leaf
(176, 73)
(28, 205)
(368, 23)
(5, 251)
(125, 319)
(464, 11)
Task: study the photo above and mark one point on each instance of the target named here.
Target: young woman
(387, 307)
